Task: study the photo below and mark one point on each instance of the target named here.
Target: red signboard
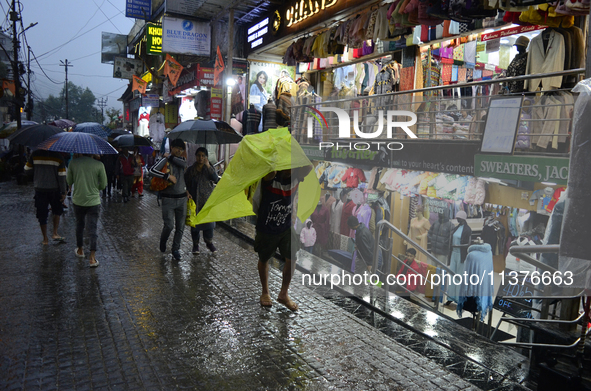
(507, 32)
(205, 77)
(216, 103)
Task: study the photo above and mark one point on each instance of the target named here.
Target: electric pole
(102, 103)
(66, 65)
(30, 93)
(14, 17)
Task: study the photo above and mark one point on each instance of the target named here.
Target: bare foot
(45, 242)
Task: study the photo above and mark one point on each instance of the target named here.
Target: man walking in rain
(273, 206)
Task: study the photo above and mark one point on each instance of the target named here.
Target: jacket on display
(308, 235)
(440, 236)
(479, 262)
(545, 60)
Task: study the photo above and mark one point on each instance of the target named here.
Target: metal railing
(440, 114)
(519, 251)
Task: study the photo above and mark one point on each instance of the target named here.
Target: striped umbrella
(93, 128)
(78, 143)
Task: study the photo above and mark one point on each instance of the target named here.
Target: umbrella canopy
(200, 131)
(93, 128)
(10, 127)
(78, 143)
(131, 140)
(118, 132)
(63, 123)
(33, 135)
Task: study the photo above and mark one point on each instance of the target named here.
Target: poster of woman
(262, 79)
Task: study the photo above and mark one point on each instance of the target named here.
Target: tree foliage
(113, 117)
(80, 106)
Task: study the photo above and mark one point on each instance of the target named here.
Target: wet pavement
(144, 321)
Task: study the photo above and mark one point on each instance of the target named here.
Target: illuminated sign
(303, 9)
(154, 38)
(256, 33)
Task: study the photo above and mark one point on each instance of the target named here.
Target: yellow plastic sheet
(256, 156)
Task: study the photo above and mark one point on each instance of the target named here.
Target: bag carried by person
(159, 184)
(191, 213)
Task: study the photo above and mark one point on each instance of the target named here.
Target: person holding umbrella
(174, 198)
(200, 178)
(89, 177)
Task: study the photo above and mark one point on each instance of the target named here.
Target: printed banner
(126, 68)
(507, 32)
(186, 37)
(218, 68)
(172, 69)
(139, 84)
(113, 45)
(261, 90)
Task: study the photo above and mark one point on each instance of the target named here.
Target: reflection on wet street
(144, 321)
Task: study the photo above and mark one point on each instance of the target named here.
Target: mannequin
(440, 238)
(460, 242)
(418, 232)
(518, 65)
(269, 115)
(478, 297)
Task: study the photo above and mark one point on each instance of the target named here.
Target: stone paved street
(144, 321)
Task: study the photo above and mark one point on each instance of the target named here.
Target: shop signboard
(450, 157)
(188, 79)
(510, 31)
(522, 168)
(216, 104)
(273, 71)
(186, 36)
(138, 9)
(151, 100)
(291, 17)
(113, 45)
(313, 153)
(204, 77)
(126, 68)
(153, 38)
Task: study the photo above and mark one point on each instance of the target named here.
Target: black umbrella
(119, 132)
(200, 131)
(130, 141)
(33, 135)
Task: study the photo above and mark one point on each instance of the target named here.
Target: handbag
(159, 184)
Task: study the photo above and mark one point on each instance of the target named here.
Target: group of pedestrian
(51, 180)
(125, 173)
(87, 175)
(195, 183)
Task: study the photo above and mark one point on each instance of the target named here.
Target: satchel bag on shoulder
(159, 184)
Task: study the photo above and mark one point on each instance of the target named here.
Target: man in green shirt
(88, 177)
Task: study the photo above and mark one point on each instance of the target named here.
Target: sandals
(289, 304)
(95, 264)
(78, 255)
(266, 301)
(59, 239)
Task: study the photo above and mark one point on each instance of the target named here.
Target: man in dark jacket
(49, 177)
(174, 197)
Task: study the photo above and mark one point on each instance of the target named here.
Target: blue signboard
(138, 9)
